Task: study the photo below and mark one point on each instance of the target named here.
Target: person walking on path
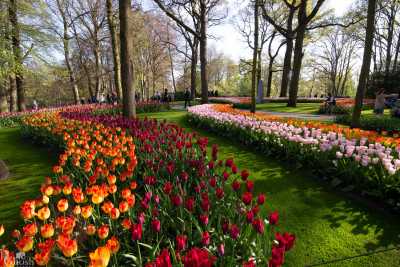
(35, 105)
(330, 102)
(187, 97)
(165, 96)
(380, 98)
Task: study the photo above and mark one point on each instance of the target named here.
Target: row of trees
(165, 46)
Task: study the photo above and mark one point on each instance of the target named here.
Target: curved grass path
(328, 226)
(28, 165)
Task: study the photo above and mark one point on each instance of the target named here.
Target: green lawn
(328, 226)
(28, 165)
(371, 112)
(308, 108)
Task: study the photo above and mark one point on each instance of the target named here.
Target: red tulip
(220, 193)
(273, 218)
(136, 232)
(234, 231)
(258, 225)
(204, 219)
(205, 238)
(261, 199)
(249, 185)
(156, 225)
(244, 174)
(168, 188)
(181, 242)
(247, 197)
(236, 185)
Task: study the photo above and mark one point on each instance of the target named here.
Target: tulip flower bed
(14, 119)
(362, 164)
(130, 191)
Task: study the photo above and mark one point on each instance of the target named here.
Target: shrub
(383, 123)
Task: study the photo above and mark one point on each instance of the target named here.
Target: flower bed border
(348, 176)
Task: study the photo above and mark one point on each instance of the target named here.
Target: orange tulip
(76, 210)
(42, 258)
(126, 192)
(113, 244)
(86, 211)
(25, 244)
(48, 190)
(133, 185)
(16, 233)
(107, 207)
(45, 199)
(131, 200)
(1, 230)
(103, 231)
(100, 257)
(67, 189)
(78, 195)
(112, 179)
(97, 198)
(91, 229)
(123, 206)
(28, 209)
(47, 230)
(7, 258)
(126, 223)
(62, 205)
(112, 189)
(43, 213)
(114, 214)
(68, 246)
(66, 224)
(30, 229)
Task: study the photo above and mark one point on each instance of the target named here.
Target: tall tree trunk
(3, 97)
(287, 62)
(13, 93)
(71, 74)
(15, 33)
(390, 38)
(396, 56)
(298, 56)
(115, 49)
(193, 68)
(255, 54)
(362, 82)
(97, 66)
(171, 64)
(128, 91)
(269, 81)
(203, 51)
(259, 69)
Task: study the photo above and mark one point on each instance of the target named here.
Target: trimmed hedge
(374, 123)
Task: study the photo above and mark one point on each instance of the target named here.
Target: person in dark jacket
(187, 97)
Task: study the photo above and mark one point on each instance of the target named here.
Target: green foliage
(9, 122)
(390, 82)
(336, 110)
(374, 122)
